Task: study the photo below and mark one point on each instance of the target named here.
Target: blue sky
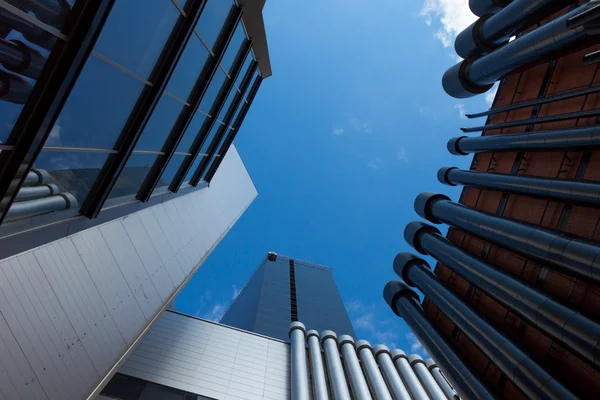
(352, 126)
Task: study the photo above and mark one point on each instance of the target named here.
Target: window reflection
(212, 19)
(188, 69)
(227, 104)
(58, 181)
(169, 173)
(133, 175)
(240, 78)
(136, 32)
(233, 48)
(211, 136)
(97, 108)
(213, 90)
(192, 170)
(160, 124)
(191, 132)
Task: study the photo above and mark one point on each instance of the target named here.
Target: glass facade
(123, 387)
(113, 97)
(266, 305)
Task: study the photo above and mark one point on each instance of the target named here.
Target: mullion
(142, 111)
(187, 113)
(48, 96)
(212, 150)
(236, 127)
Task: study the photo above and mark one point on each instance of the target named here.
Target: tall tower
(283, 290)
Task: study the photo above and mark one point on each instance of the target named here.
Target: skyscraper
(515, 292)
(283, 290)
(118, 174)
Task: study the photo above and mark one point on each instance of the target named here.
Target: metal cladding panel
(69, 310)
(211, 360)
(320, 305)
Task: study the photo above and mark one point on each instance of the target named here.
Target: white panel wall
(210, 359)
(70, 309)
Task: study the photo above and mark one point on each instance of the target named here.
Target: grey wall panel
(211, 360)
(70, 310)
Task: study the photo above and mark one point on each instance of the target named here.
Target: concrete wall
(211, 360)
(69, 310)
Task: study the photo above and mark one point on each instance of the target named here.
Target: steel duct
(566, 253)
(358, 383)
(482, 7)
(394, 382)
(441, 380)
(17, 57)
(374, 377)
(51, 12)
(299, 373)
(13, 88)
(477, 75)
(532, 379)
(319, 379)
(492, 31)
(430, 385)
(33, 192)
(404, 302)
(560, 322)
(409, 377)
(576, 138)
(565, 190)
(23, 209)
(37, 177)
(31, 32)
(337, 378)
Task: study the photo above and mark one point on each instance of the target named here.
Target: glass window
(233, 48)
(170, 171)
(227, 104)
(38, 42)
(191, 132)
(188, 69)
(72, 172)
(208, 167)
(192, 170)
(251, 83)
(160, 124)
(240, 78)
(97, 108)
(237, 112)
(124, 387)
(212, 19)
(159, 392)
(210, 137)
(133, 175)
(136, 32)
(212, 91)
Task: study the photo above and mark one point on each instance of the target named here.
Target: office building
(118, 175)
(515, 291)
(283, 290)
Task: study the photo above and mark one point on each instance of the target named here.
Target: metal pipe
(23, 209)
(440, 379)
(565, 190)
(31, 32)
(537, 102)
(477, 75)
(394, 382)
(566, 253)
(494, 30)
(576, 138)
(339, 386)
(33, 192)
(532, 379)
(300, 387)
(21, 59)
(564, 325)
(51, 12)
(430, 385)
(13, 88)
(411, 381)
(482, 7)
(319, 380)
(358, 383)
(405, 303)
(374, 377)
(37, 177)
(540, 120)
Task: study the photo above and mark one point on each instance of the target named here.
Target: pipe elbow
(395, 290)
(453, 146)
(423, 203)
(457, 84)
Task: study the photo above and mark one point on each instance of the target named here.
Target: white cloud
(236, 291)
(358, 125)
(454, 16)
(54, 137)
(491, 95)
(364, 319)
(215, 313)
(402, 155)
(461, 110)
(338, 131)
(374, 163)
(415, 345)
